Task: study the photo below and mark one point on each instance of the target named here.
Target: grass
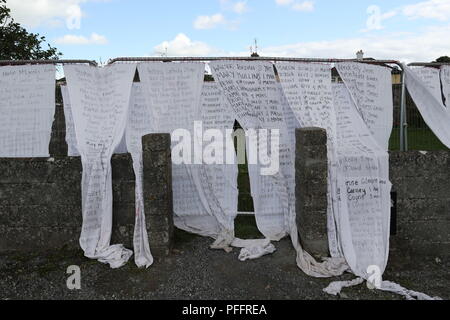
(419, 139)
(245, 227)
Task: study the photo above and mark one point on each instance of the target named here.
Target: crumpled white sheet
(254, 249)
(335, 288)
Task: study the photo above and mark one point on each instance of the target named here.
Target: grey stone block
(158, 197)
(311, 174)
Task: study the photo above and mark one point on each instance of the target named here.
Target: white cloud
(34, 13)
(240, 7)
(284, 2)
(214, 21)
(305, 6)
(82, 40)
(183, 46)
(426, 45)
(209, 22)
(421, 46)
(432, 9)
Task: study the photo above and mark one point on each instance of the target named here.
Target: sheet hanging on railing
(360, 190)
(219, 173)
(100, 100)
(173, 93)
(433, 111)
(71, 138)
(364, 201)
(445, 78)
(308, 91)
(363, 190)
(27, 110)
(140, 123)
(371, 88)
(255, 97)
(432, 79)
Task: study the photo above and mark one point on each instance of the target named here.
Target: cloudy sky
(407, 30)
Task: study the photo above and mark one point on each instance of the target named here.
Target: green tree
(16, 43)
(443, 59)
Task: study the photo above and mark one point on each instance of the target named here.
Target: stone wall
(421, 184)
(40, 200)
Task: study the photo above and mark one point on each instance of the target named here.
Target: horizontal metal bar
(246, 213)
(25, 62)
(428, 64)
(274, 59)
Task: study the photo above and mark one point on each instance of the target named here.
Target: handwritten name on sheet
(27, 109)
(371, 87)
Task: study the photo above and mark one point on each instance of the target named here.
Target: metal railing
(273, 59)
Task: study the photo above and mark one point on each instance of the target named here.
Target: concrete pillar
(158, 199)
(311, 175)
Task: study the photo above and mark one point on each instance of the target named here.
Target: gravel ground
(194, 272)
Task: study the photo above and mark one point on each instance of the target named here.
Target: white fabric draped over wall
(219, 176)
(315, 103)
(371, 88)
(432, 109)
(432, 79)
(173, 93)
(100, 100)
(445, 78)
(205, 195)
(71, 138)
(139, 124)
(27, 109)
(307, 88)
(363, 190)
(360, 189)
(255, 97)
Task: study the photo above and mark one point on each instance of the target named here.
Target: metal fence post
(403, 118)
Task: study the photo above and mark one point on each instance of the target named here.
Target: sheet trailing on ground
(140, 123)
(100, 100)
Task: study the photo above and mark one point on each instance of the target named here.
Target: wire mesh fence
(419, 137)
